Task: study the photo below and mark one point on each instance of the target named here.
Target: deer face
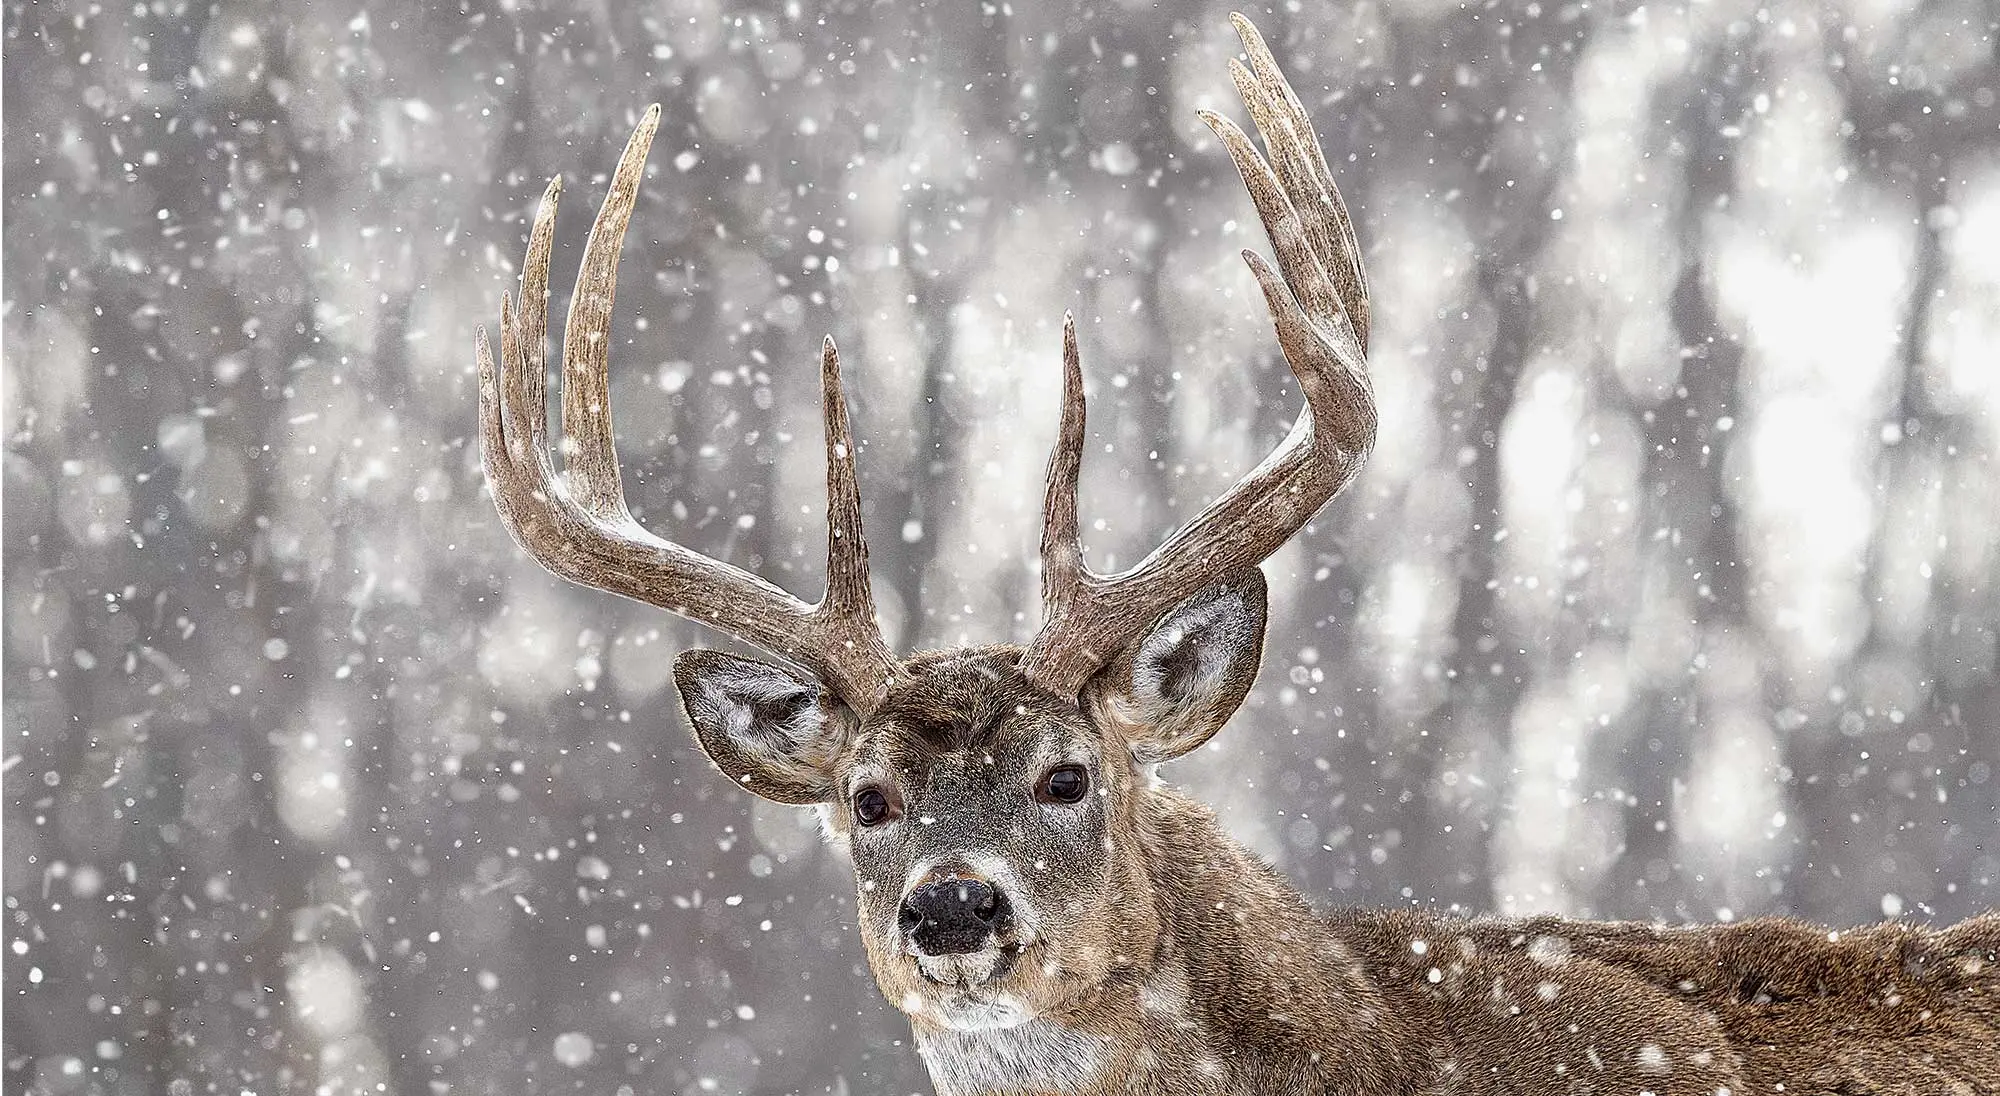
(994, 827)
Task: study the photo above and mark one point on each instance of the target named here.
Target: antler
(1320, 309)
(577, 525)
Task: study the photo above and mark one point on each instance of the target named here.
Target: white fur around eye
(830, 834)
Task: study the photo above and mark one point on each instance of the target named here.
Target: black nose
(952, 916)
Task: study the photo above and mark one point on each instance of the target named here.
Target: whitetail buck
(1055, 920)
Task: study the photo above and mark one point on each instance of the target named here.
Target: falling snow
(1669, 592)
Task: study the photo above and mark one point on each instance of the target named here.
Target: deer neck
(1235, 932)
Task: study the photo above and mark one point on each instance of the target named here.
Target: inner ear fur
(773, 730)
(1170, 690)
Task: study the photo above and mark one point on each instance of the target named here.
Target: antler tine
(528, 388)
(1062, 552)
(1301, 162)
(847, 590)
(1318, 302)
(589, 457)
(578, 525)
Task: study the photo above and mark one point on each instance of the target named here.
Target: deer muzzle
(953, 915)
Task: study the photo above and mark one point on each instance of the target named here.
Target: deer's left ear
(771, 730)
(1175, 687)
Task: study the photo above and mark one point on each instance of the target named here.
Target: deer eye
(872, 807)
(1065, 784)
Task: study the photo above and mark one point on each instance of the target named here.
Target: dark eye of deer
(1066, 784)
(871, 807)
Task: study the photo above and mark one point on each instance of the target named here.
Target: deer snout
(952, 916)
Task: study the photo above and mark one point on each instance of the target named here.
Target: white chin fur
(961, 1000)
(961, 1012)
(970, 971)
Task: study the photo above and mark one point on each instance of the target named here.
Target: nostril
(951, 915)
(986, 903)
(978, 897)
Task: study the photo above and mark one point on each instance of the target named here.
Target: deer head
(992, 799)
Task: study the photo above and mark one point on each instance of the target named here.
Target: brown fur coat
(1248, 991)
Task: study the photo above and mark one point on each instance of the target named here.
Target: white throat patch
(1036, 1056)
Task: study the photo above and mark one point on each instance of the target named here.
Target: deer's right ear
(1174, 687)
(770, 729)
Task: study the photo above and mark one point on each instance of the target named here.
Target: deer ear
(770, 729)
(1172, 689)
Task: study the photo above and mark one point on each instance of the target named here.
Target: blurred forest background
(1670, 592)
